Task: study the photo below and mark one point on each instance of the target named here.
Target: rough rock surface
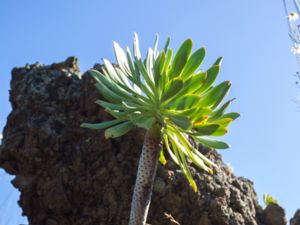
(274, 215)
(296, 219)
(70, 175)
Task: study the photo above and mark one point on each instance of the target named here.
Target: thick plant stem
(145, 178)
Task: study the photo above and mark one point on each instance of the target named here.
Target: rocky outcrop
(274, 215)
(296, 219)
(70, 175)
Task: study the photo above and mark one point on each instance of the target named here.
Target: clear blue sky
(251, 35)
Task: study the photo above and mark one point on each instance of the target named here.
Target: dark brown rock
(70, 175)
(204, 220)
(274, 215)
(296, 219)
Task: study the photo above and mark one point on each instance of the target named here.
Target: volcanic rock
(70, 175)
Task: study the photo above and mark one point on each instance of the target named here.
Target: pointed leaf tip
(218, 61)
(194, 185)
(167, 44)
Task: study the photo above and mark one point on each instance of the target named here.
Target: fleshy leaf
(219, 61)
(158, 68)
(118, 130)
(223, 122)
(219, 112)
(162, 157)
(186, 102)
(143, 120)
(193, 63)
(210, 129)
(102, 125)
(232, 115)
(215, 95)
(172, 88)
(181, 58)
(167, 44)
(212, 74)
(136, 47)
(181, 121)
(108, 105)
(212, 143)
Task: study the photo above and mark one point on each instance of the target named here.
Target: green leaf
(136, 47)
(186, 102)
(118, 130)
(122, 115)
(186, 112)
(210, 130)
(214, 96)
(193, 63)
(218, 113)
(162, 157)
(218, 61)
(172, 88)
(168, 60)
(223, 122)
(205, 160)
(269, 199)
(183, 145)
(132, 107)
(201, 112)
(167, 44)
(109, 89)
(158, 68)
(102, 125)
(114, 92)
(146, 76)
(195, 82)
(125, 80)
(143, 120)
(166, 142)
(108, 105)
(164, 73)
(108, 94)
(155, 45)
(134, 71)
(212, 143)
(191, 84)
(111, 71)
(141, 85)
(212, 74)
(232, 115)
(121, 58)
(181, 121)
(149, 62)
(183, 165)
(181, 58)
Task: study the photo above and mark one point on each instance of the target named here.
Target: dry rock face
(68, 175)
(274, 214)
(296, 219)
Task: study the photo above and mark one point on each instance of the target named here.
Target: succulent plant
(269, 199)
(173, 100)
